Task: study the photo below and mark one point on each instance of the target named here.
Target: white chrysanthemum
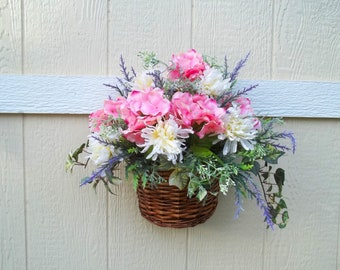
(212, 82)
(143, 81)
(166, 138)
(99, 152)
(237, 129)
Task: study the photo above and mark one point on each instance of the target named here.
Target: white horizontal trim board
(85, 94)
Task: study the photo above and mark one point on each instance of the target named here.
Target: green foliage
(272, 185)
(72, 158)
(149, 59)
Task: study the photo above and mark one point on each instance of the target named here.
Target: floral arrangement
(188, 117)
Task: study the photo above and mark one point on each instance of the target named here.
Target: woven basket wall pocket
(168, 206)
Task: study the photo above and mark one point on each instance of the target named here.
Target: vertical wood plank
(307, 40)
(65, 37)
(66, 225)
(163, 27)
(227, 243)
(234, 28)
(12, 205)
(312, 186)
(10, 36)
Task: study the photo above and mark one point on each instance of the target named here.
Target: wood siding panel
(163, 27)
(10, 36)
(312, 188)
(234, 28)
(12, 190)
(66, 225)
(65, 37)
(307, 40)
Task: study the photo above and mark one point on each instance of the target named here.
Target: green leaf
(273, 155)
(256, 168)
(179, 179)
(69, 163)
(78, 151)
(246, 167)
(282, 225)
(285, 216)
(279, 177)
(265, 175)
(270, 188)
(282, 204)
(202, 193)
(201, 151)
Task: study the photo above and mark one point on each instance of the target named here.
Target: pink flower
(257, 123)
(184, 108)
(245, 105)
(189, 65)
(198, 111)
(116, 108)
(143, 108)
(149, 102)
(96, 119)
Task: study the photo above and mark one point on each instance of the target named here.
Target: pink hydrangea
(189, 65)
(96, 119)
(140, 109)
(197, 111)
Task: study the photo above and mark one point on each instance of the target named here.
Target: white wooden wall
(48, 222)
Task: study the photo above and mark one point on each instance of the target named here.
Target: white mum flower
(212, 82)
(237, 129)
(143, 81)
(166, 138)
(99, 152)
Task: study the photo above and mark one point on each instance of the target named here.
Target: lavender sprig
(124, 71)
(238, 203)
(259, 200)
(158, 81)
(107, 166)
(236, 70)
(289, 135)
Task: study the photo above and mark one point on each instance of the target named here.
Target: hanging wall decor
(185, 132)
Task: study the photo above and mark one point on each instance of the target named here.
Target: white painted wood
(12, 190)
(234, 28)
(66, 225)
(65, 37)
(84, 94)
(306, 40)
(163, 27)
(10, 36)
(310, 240)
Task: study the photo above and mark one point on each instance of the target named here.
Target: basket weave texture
(168, 206)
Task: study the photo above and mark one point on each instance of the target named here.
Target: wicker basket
(168, 206)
